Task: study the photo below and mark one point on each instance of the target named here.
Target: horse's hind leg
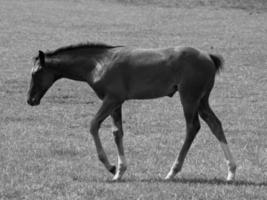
(192, 127)
(216, 128)
(107, 107)
(118, 136)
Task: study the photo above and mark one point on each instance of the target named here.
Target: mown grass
(46, 152)
(238, 4)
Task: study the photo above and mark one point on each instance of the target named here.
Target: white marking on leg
(118, 136)
(122, 166)
(230, 162)
(121, 160)
(176, 167)
(170, 175)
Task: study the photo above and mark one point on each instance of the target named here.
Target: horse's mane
(87, 45)
(90, 45)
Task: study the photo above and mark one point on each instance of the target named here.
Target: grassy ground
(239, 4)
(46, 152)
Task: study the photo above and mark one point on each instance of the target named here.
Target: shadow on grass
(203, 181)
(66, 99)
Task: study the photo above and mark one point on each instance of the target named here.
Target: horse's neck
(80, 67)
(73, 68)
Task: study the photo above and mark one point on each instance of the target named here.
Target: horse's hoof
(231, 173)
(116, 178)
(119, 173)
(170, 176)
(230, 177)
(113, 169)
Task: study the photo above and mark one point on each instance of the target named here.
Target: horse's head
(42, 79)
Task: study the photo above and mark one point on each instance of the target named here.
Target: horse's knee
(117, 129)
(196, 124)
(118, 135)
(197, 127)
(193, 128)
(94, 126)
(204, 113)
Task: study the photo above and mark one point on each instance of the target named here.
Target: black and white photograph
(133, 99)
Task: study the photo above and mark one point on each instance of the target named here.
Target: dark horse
(118, 73)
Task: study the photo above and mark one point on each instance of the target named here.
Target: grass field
(46, 152)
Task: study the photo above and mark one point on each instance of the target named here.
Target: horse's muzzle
(33, 102)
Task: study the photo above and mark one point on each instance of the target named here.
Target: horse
(120, 73)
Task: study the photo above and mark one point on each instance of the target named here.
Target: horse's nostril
(32, 101)
(29, 102)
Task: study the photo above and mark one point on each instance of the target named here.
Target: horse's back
(151, 73)
(170, 62)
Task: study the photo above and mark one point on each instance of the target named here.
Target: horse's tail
(218, 61)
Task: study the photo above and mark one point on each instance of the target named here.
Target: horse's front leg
(107, 107)
(118, 136)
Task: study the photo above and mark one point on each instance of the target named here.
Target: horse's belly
(151, 91)
(154, 82)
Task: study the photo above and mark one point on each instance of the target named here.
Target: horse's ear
(41, 58)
